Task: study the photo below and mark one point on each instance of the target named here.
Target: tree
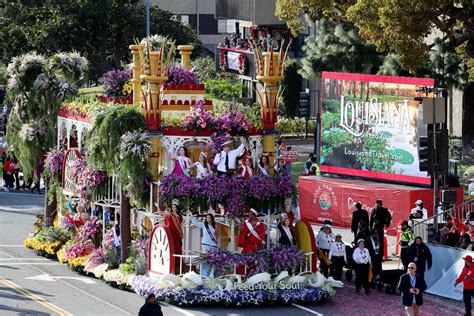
(395, 26)
(99, 30)
(292, 84)
(337, 47)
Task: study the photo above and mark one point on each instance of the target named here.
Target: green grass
(93, 91)
(297, 167)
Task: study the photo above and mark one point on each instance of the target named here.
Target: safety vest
(315, 167)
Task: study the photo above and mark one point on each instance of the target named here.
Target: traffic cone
(397, 246)
(385, 245)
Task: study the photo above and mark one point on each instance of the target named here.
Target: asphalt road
(33, 285)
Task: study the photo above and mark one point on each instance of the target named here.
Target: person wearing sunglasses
(412, 287)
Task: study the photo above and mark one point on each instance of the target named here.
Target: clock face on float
(161, 249)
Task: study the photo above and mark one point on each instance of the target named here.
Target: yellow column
(154, 159)
(185, 52)
(269, 148)
(136, 81)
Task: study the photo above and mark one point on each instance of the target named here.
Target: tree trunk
(49, 208)
(125, 231)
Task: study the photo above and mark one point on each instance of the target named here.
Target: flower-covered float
(169, 196)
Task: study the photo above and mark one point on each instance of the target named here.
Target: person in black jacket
(380, 218)
(362, 231)
(372, 244)
(420, 254)
(150, 308)
(287, 233)
(358, 215)
(412, 287)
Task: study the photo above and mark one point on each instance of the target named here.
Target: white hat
(253, 211)
(360, 240)
(175, 202)
(418, 202)
(228, 143)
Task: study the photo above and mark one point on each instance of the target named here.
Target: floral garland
(223, 61)
(199, 119)
(242, 64)
(86, 179)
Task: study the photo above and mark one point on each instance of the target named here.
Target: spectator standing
(467, 277)
(420, 254)
(307, 164)
(406, 240)
(363, 262)
(433, 236)
(373, 246)
(412, 286)
(337, 255)
(465, 242)
(419, 211)
(380, 218)
(358, 215)
(150, 308)
(324, 240)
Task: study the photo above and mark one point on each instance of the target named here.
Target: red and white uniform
(175, 224)
(251, 237)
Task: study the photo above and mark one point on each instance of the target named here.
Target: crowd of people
(14, 179)
(237, 41)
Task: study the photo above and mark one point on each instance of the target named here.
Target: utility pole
(147, 18)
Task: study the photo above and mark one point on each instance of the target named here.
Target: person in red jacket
(251, 237)
(467, 277)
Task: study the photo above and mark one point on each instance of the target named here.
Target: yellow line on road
(26, 293)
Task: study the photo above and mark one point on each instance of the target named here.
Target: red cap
(468, 258)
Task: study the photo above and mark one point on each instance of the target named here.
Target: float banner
(233, 60)
(447, 266)
(369, 126)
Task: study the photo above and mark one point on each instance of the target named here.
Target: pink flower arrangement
(89, 229)
(79, 249)
(199, 119)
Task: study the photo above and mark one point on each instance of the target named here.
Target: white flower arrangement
(193, 277)
(100, 270)
(281, 276)
(261, 277)
(173, 279)
(118, 277)
(297, 279)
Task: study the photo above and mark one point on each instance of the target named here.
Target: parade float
(126, 216)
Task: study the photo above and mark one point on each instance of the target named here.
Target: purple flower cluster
(233, 122)
(236, 193)
(89, 229)
(85, 177)
(144, 285)
(178, 75)
(114, 81)
(287, 258)
(272, 261)
(54, 161)
(141, 246)
(67, 223)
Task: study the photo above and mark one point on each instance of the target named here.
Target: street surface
(33, 285)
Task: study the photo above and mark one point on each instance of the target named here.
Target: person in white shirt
(324, 240)
(225, 160)
(419, 211)
(337, 255)
(209, 239)
(363, 262)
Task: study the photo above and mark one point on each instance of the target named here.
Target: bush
(295, 126)
(222, 89)
(180, 75)
(205, 69)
